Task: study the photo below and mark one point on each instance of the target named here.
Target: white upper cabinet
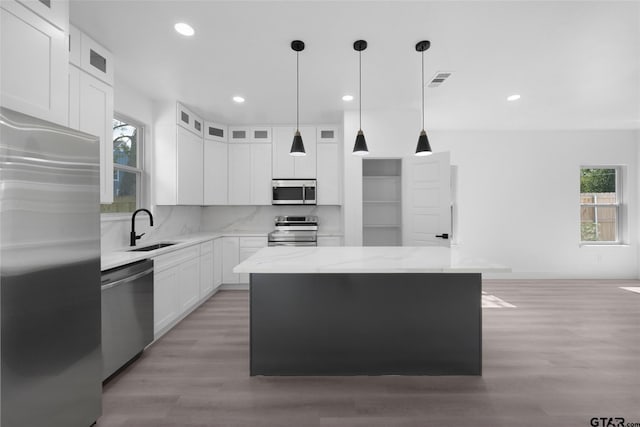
(75, 35)
(215, 172)
(91, 111)
(328, 190)
(260, 134)
(91, 106)
(249, 174)
(240, 174)
(95, 59)
(260, 174)
(96, 117)
(55, 12)
(215, 131)
(188, 120)
(249, 134)
(189, 168)
(178, 155)
(239, 134)
(288, 166)
(34, 59)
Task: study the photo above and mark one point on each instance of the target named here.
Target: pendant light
(423, 148)
(297, 147)
(360, 147)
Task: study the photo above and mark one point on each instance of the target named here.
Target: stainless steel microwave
(293, 192)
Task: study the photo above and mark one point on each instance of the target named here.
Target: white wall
(517, 193)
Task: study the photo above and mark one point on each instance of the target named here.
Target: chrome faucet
(134, 236)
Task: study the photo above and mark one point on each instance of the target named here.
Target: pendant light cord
(297, 92)
(360, 89)
(423, 90)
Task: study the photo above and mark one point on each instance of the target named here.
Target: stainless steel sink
(152, 247)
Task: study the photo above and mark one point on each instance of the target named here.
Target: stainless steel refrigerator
(51, 366)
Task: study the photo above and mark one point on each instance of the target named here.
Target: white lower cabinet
(206, 269)
(329, 241)
(248, 247)
(187, 277)
(176, 286)
(189, 286)
(230, 258)
(217, 263)
(234, 251)
(165, 309)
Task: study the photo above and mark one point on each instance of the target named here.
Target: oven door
(287, 192)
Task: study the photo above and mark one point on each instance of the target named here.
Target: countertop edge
(123, 256)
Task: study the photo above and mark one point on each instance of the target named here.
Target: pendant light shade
(297, 146)
(423, 148)
(360, 147)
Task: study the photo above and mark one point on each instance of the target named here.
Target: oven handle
(293, 244)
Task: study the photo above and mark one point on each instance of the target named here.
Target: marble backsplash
(171, 221)
(259, 219)
(168, 222)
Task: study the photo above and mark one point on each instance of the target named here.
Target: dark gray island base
(366, 324)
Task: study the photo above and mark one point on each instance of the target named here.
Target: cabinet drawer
(206, 248)
(165, 261)
(95, 59)
(253, 242)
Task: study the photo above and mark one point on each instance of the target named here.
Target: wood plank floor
(570, 351)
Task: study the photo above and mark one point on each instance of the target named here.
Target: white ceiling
(576, 64)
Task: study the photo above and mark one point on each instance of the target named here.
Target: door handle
(443, 235)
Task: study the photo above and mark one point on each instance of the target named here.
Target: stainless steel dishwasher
(127, 314)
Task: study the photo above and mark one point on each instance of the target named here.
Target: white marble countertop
(123, 256)
(356, 259)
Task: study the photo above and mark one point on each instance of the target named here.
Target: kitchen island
(365, 311)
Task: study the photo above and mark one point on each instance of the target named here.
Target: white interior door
(426, 200)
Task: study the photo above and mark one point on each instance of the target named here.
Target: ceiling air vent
(439, 78)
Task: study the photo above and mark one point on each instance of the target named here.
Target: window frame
(618, 205)
(139, 170)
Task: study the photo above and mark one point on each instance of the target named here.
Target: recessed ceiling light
(238, 99)
(347, 98)
(184, 29)
(514, 97)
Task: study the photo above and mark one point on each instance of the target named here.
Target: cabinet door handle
(443, 235)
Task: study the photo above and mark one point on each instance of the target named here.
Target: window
(127, 166)
(600, 205)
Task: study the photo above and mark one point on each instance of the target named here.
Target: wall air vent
(439, 78)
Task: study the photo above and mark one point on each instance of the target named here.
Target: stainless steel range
(295, 231)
